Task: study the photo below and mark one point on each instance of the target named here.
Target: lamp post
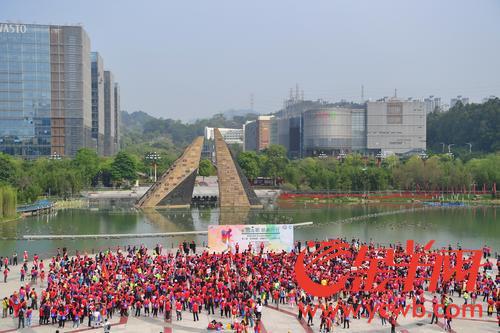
(153, 157)
(449, 147)
(379, 157)
(55, 156)
(470, 147)
(443, 144)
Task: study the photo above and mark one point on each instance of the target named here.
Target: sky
(190, 59)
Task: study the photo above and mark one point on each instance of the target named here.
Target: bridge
(38, 207)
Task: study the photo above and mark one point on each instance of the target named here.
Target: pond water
(471, 227)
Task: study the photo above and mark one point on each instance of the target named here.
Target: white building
(230, 135)
(396, 126)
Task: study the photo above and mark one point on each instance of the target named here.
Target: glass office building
(25, 90)
(45, 90)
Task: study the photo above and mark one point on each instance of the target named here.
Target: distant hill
(230, 114)
(134, 121)
(142, 132)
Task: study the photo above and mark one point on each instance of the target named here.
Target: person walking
(106, 326)
(20, 315)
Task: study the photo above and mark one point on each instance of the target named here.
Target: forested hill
(142, 132)
(478, 124)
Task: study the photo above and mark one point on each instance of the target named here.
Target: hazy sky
(189, 59)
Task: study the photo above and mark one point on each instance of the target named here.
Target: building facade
(117, 118)
(333, 130)
(396, 126)
(45, 89)
(250, 135)
(51, 91)
(109, 114)
(97, 102)
(230, 135)
(258, 133)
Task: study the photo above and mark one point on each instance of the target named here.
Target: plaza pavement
(275, 320)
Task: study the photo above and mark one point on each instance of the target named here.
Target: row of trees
(356, 173)
(66, 177)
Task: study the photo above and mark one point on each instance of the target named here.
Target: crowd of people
(233, 287)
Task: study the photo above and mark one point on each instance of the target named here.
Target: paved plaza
(275, 320)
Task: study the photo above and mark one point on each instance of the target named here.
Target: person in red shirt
(178, 309)
(168, 310)
(196, 309)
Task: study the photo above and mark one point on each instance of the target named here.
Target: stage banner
(276, 237)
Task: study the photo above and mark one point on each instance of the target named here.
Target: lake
(471, 227)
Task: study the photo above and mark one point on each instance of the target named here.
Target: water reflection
(471, 227)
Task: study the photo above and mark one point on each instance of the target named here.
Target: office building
(109, 114)
(45, 90)
(258, 133)
(396, 126)
(97, 102)
(117, 117)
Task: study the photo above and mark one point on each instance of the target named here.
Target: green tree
(206, 168)
(276, 161)
(249, 162)
(7, 169)
(123, 168)
(86, 162)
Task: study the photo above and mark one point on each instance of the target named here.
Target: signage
(275, 237)
(13, 28)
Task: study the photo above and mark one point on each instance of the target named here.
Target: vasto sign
(275, 237)
(13, 28)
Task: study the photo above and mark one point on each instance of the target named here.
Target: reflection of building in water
(234, 215)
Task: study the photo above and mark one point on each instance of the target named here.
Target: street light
(449, 147)
(341, 156)
(153, 157)
(55, 156)
(379, 157)
(442, 143)
(470, 147)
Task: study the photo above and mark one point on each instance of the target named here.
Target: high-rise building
(432, 104)
(109, 114)
(396, 126)
(97, 102)
(459, 98)
(45, 89)
(117, 117)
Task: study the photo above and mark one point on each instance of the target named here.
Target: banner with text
(276, 237)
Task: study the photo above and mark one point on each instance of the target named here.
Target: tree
(123, 167)
(86, 162)
(276, 161)
(7, 169)
(206, 168)
(249, 163)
